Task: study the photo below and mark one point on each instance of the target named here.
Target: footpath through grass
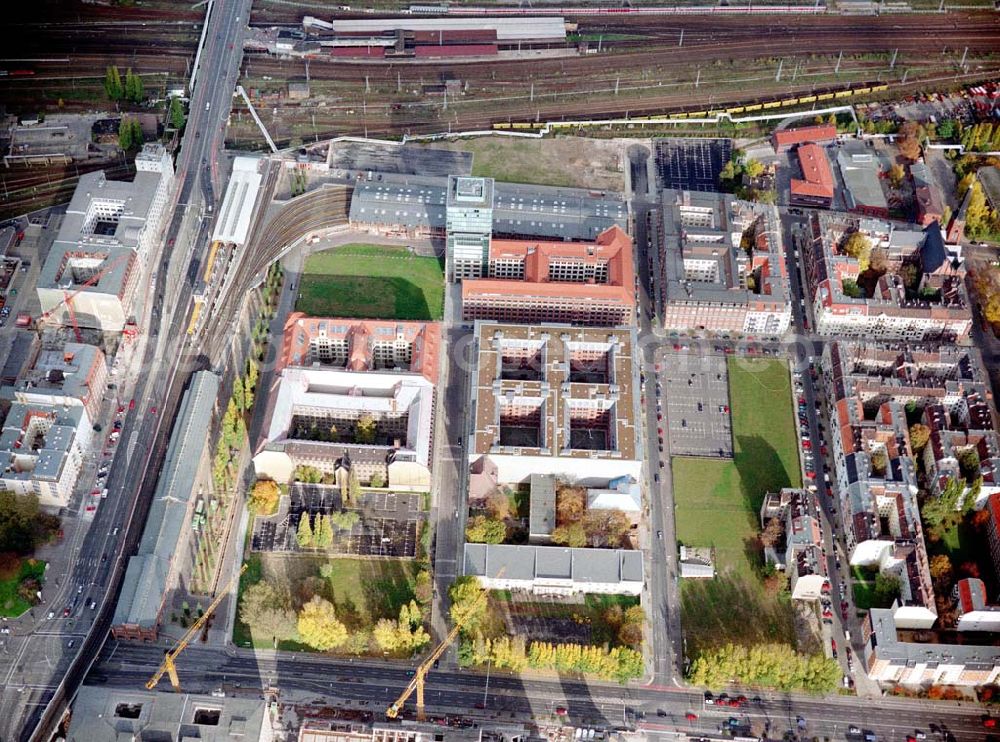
(718, 504)
(372, 282)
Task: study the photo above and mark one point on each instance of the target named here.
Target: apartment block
(722, 267)
(876, 482)
(975, 612)
(918, 294)
(800, 550)
(42, 448)
(553, 399)
(62, 373)
(895, 655)
(580, 283)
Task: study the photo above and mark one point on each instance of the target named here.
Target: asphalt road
(372, 686)
(117, 527)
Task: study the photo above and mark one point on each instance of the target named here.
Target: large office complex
(722, 267)
(469, 226)
(582, 283)
(554, 399)
(92, 270)
(355, 398)
(917, 294)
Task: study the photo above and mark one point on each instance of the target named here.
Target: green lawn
(11, 604)
(362, 590)
(372, 281)
(717, 503)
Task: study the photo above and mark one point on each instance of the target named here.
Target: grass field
(362, 590)
(560, 161)
(372, 281)
(718, 504)
(11, 604)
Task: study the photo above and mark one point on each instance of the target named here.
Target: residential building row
(917, 293)
(798, 551)
(54, 402)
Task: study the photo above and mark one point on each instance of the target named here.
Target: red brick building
(785, 139)
(586, 283)
(816, 186)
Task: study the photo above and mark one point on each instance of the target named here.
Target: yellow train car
(696, 115)
(736, 109)
(773, 104)
(880, 88)
(862, 91)
(526, 125)
(808, 99)
(210, 263)
(789, 102)
(679, 116)
(753, 107)
(502, 125)
(824, 96)
(195, 315)
(843, 94)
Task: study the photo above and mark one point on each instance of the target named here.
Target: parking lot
(388, 525)
(691, 164)
(696, 395)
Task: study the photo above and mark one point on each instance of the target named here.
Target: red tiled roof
(993, 503)
(818, 179)
(791, 137)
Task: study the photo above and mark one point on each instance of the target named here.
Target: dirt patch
(561, 161)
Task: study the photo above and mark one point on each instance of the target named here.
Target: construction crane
(417, 682)
(68, 297)
(168, 666)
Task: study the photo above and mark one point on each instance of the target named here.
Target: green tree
(353, 487)
(572, 535)
(968, 463)
(264, 497)
(768, 665)
(113, 84)
(468, 604)
(126, 134)
(177, 115)
(365, 430)
(318, 625)
(344, 520)
(896, 175)
(754, 168)
(386, 635)
(322, 532)
(630, 630)
(134, 91)
(423, 589)
(942, 572)
(23, 525)
(267, 610)
(238, 394)
(886, 589)
(304, 535)
(484, 530)
(943, 512)
(908, 141)
(857, 245)
(919, 435)
(377, 480)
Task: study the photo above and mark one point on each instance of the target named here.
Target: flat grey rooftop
(399, 159)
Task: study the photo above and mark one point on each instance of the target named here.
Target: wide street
(372, 686)
(47, 665)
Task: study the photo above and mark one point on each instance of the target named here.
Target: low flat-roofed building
(21, 356)
(849, 302)
(723, 266)
(555, 570)
(577, 283)
(233, 220)
(106, 714)
(894, 656)
(623, 493)
(64, 374)
(815, 188)
(510, 30)
(554, 399)
(541, 508)
(326, 730)
(861, 170)
(41, 450)
(784, 139)
(416, 206)
(697, 562)
(153, 572)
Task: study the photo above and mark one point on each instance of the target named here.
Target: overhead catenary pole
(697, 80)
(681, 42)
(964, 55)
(617, 81)
(839, 58)
(781, 63)
(905, 73)
(892, 64)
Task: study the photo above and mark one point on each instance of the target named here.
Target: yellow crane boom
(168, 666)
(417, 682)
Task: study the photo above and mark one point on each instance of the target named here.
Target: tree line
(770, 665)
(131, 89)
